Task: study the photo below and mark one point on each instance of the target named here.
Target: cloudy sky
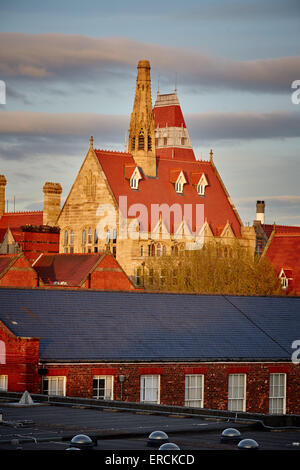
(69, 68)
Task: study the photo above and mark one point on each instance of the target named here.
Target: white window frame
(150, 388)
(237, 392)
(277, 393)
(194, 390)
(56, 383)
(201, 189)
(135, 178)
(3, 383)
(108, 387)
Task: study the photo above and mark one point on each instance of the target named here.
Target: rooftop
(50, 424)
(136, 326)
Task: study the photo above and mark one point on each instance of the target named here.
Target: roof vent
(157, 438)
(169, 446)
(82, 442)
(248, 444)
(230, 435)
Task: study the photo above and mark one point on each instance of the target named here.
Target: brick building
(86, 271)
(280, 244)
(218, 352)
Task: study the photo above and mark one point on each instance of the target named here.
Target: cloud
(77, 58)
(243, 125)
(112, 128)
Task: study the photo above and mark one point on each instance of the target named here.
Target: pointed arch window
(180, 183)
(90, 236)
(135, 178)
(149, 143)
(201, 186)
(66, 237)
(141, 142)
(133, 143)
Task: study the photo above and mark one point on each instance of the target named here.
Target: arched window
(108, 236)
(133, 143)
(158, 250)
(84, 237)
(164, 250)
(149, 143)
(90, 235)
(141, 143)
(66, 237)
(95, 236)
(72, 237)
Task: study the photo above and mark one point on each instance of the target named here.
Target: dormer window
(135, 178)
(180, 183)
(285, 276)
(202, 183)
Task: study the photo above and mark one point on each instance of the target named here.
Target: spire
(141, 142)
(91, 142)
(211, 153)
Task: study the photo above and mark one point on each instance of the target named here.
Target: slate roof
(122, 326)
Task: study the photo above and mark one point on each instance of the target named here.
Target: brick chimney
(2, 194)
(260, 211)
(52, 195)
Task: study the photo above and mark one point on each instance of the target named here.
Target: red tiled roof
(175, 153)
(268, 228)
(5, 261)
(284, 252)
(170, 116)
(69, 268)
(159, 190)
(15, 220)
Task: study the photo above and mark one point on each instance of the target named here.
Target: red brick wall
(172, 382)
(35, 243)
(20, 274)
(21, 362)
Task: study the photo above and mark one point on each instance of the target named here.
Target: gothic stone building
(154, 199)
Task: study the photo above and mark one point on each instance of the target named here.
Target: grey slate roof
(83, 325)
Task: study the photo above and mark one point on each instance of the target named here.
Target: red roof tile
(268, 228)
(71, 269)
(15, 220)
(159, 190)
(5, 261)
(168, 116)
(284, 252)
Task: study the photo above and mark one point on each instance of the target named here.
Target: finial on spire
(91, 141)
(211, 155)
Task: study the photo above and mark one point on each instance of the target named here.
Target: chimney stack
(2, 194)
(260, 211)
(52, 194)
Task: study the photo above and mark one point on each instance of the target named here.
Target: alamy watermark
(2, 92)
(159, 221)
(296, 94)
(296, 353)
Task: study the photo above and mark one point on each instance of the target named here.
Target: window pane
(150, 388)
(194, 390)
(236, 392)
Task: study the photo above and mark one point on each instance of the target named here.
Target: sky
(69, 71)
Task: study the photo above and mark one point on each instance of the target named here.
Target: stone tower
(2, 194)
(52, 194)
(141, 142)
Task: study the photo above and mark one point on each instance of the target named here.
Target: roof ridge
(23, 212)
(113, 151)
